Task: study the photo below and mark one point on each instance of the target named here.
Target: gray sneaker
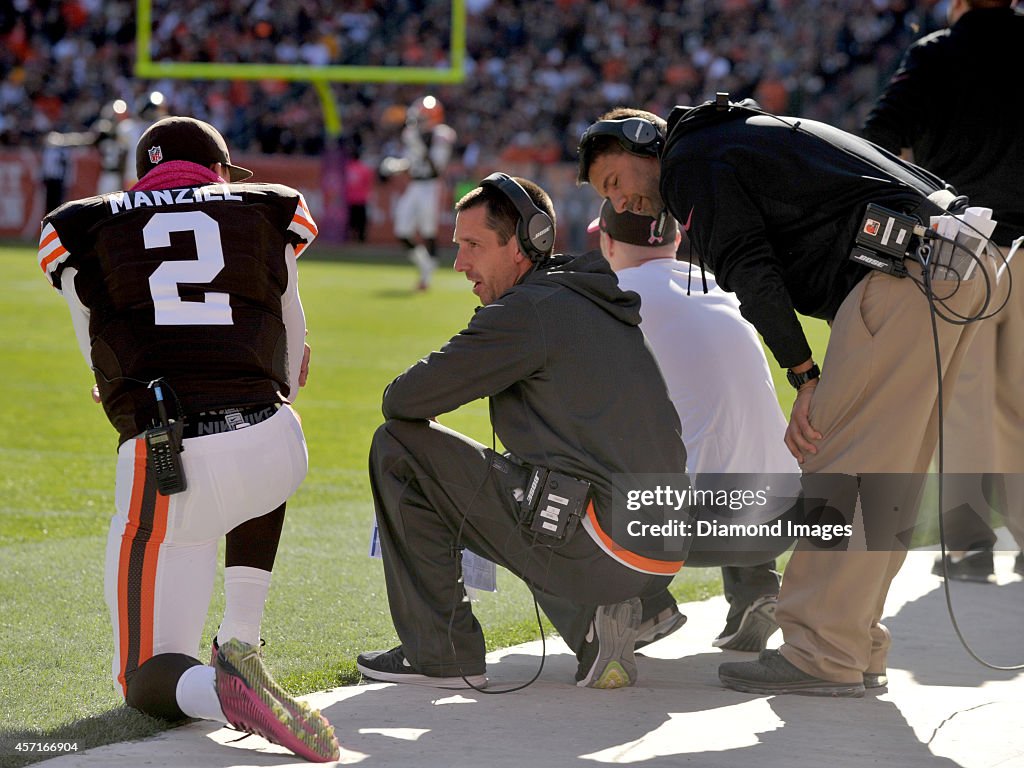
(606, 660)
(750, 630)
(772, 674)
(657, 627)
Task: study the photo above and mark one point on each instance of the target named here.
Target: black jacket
(772, 210)
(573, 385)
(956, 101)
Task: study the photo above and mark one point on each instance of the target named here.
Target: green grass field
(327, 602)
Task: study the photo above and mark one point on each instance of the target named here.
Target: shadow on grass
(395, 293)
(121, 724)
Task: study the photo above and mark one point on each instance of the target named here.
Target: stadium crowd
(536, 70)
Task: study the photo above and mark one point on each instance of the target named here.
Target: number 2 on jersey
(215, 308)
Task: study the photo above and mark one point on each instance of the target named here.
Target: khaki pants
(876, 406)
(985, 425)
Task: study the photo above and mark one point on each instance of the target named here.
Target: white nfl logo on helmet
(155, 155)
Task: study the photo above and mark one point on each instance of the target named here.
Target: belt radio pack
(163, 451)
(884, 240)
(554, 502)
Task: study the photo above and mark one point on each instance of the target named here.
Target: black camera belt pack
(947, 237)
(884, 239)
(553, 503)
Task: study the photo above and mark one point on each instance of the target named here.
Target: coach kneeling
(538, 348)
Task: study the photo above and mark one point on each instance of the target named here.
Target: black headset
(535, 231)
(636, 135)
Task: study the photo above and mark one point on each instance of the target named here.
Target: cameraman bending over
(772, 206)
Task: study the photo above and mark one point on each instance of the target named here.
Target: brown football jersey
(183, 285)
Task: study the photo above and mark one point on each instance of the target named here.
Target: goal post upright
(320, 77)
(145, 66)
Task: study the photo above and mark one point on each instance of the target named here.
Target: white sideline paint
(941, 709)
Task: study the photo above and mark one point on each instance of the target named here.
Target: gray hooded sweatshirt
(572, 384)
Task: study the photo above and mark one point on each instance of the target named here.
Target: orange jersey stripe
(57, 253)
(633, 560)
(48, 239)
(307, 215)
(302, 221)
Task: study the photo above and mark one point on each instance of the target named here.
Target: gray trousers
(434, 491)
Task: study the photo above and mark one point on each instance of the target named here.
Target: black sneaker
(750, 630)
(606, 660)
(975, 565)
(657, 627)
(392, 667)
(772, 674)
(1018, 564)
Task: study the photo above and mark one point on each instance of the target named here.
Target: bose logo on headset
(535, 231)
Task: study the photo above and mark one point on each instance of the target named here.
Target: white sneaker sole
(415, 678)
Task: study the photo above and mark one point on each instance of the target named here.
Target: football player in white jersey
(427, 149)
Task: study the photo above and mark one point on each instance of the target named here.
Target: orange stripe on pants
(631, 559)
(151, 529)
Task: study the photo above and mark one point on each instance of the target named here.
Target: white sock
(427, 267)
(245, 594)
(197, 694)
(421, 258)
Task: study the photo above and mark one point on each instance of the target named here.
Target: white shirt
(716, 371)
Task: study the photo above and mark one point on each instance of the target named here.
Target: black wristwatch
(799, 379)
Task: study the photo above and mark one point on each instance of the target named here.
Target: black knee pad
(151, 688)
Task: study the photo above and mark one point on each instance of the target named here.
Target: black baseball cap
(184, 138)
(635, 229)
